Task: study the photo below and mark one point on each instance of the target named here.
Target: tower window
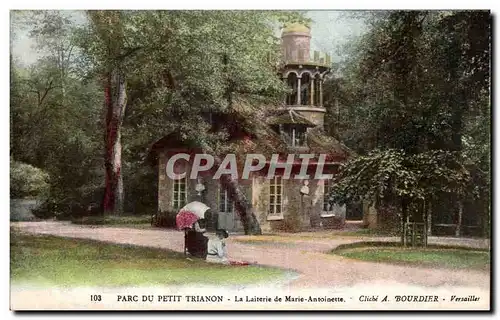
(305, 90)
(317, 91)
(291, 98)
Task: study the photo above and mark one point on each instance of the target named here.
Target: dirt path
(316, 268)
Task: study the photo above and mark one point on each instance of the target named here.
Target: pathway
(308, 258)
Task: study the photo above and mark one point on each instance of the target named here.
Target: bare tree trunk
(115, 102)
(404, 215)
(429, 218)
(458, 230)
(241, 203)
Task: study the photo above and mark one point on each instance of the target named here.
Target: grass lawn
(433, 256)
(57, 261)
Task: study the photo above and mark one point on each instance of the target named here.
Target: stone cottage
(295, 127)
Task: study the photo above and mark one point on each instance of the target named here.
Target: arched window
(317, 91)
(291, 98)
(305, 89)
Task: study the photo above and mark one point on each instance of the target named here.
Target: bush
(27, 181)
(112, 220)
(164, 219)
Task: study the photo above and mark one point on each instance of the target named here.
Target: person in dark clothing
(196, 242)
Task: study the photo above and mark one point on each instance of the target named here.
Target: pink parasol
(185, 219)
(190, 213)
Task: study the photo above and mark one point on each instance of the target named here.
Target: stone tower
(304, 73)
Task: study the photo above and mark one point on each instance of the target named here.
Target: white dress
(216, 251)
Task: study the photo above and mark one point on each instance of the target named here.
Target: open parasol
(190, 213)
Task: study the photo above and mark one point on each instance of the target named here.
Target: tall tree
(419, 81)
(108, 28)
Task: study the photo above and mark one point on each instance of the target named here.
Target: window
(317, 91)
(275, 196)
(180, 196)
(295, 135)
(305, 90)
(225, 204)
(291, 98)
(327, 187)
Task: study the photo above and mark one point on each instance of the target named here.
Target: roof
(319, 142)
(255, 135)
(296, 27)
(289, 117)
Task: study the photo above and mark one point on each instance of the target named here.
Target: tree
(54, 116)
(191, 64)
(419, 82)
(109, 52)
(394, 178)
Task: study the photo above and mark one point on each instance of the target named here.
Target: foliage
(113, 220)
(415, 91)
(413, 101)
(27, 181)
(391, 175)
(178, 65)
(164, 219)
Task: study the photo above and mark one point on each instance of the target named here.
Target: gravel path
(307, 258)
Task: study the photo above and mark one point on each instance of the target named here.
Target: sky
(331, 30)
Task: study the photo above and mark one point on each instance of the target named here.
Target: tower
(304, 74)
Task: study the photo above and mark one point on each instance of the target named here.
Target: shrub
(27, 181)
(164, 219)
(112, 220)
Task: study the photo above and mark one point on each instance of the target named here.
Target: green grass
(57, 261)
(432, 256)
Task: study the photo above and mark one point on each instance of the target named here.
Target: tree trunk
(458, 230)
(242, 205)
(115, 103)
(429, 218)
(404, 214)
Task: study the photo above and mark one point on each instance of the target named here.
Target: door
(226, 211)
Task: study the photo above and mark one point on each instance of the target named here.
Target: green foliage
(113, 220)
(388, 176)
(27, 181)
(178, 65)
(416, 90)
(164, 219)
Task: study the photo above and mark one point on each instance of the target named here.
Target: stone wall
(298, 212)
(304, 212)
(210, 196)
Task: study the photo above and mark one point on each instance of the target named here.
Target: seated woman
(216, 251)
(196, 242)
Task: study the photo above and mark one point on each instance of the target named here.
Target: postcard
(250, 160)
